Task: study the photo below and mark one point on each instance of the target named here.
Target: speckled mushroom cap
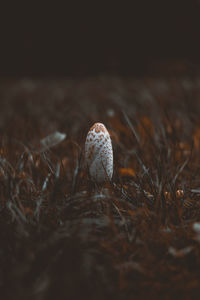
(99, 153)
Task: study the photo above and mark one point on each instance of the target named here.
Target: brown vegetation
(135, 238)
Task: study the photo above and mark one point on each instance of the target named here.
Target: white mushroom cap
(99, 153)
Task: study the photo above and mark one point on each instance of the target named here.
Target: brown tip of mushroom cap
(99, 127)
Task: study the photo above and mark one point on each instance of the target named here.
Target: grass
(137, 237)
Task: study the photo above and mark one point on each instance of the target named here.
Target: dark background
(82, 38)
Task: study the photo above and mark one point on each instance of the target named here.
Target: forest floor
(136, 238)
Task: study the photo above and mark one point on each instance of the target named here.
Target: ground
(136, 237)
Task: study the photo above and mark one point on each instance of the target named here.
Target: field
(138, 236)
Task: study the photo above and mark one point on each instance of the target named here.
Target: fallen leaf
(52, 140)
(126, 172)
